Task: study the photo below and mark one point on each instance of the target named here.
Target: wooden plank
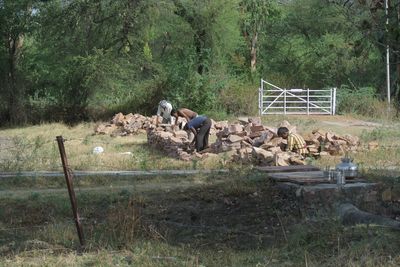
(297, 175)
(312, 177)
(304, 181)
(109, 173)
(292, 168)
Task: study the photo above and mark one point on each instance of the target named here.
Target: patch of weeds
(86, 140)
(143, 164)
(380, 134)
(34, 196)
(195, 164)
(239, 187)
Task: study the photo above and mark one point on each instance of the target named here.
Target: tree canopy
(75, 60)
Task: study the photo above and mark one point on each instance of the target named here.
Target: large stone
(255, 120)
(234, 138)
(265, 136)
(165, 135)
(282, 159)
(181, 134)
(235, 128)
(262, 154)
(118, 119)
(176, 140)
(105, 129)
(221, 125)
(257, 128)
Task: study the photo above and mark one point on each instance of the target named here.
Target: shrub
(361, 101)
(239, 98)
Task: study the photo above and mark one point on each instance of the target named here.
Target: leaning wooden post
(71, 191)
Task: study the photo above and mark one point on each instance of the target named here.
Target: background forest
(73, 60)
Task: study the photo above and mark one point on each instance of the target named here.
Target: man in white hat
(164, 110)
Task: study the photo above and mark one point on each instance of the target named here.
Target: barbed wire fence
(87, 222)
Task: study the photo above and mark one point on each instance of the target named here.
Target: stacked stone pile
(123, 125)
(175, 144)
(251, 142)
(322, 143)
(247, 141)
(129, 124)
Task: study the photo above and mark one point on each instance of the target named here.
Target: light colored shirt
(164, 109)
(297, 144)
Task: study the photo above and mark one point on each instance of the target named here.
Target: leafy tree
(15, 17)
(315, 45)
(255, 15)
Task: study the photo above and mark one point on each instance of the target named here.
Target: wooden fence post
(71, 192)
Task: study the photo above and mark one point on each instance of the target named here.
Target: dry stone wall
(247, 141)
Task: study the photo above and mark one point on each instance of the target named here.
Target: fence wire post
(71, 192)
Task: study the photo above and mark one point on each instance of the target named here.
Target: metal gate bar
(275, 100)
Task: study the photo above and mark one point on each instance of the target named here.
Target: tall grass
(364, 102)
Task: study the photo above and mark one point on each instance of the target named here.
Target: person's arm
(195, 134)
(182, 114)
(159, 111)
(290, 143)
(176, 118)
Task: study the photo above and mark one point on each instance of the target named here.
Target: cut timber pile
(122, 125)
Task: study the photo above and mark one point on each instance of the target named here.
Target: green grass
(233, 219)
(240, 220)
(34, 148)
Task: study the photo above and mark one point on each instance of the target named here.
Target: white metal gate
(275, 100)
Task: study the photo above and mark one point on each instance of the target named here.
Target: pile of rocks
(175, 144)
(251, 142)
(247, 141)
(122, 125)
(322, 143)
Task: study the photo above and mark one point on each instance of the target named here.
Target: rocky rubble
(122, 125)
(252, 142)
(175, 144)
(247, 141)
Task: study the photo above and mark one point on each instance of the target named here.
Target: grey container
(349, 169)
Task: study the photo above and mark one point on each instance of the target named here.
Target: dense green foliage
(79, 59)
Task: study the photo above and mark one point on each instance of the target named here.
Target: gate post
(308, 101)
(259, 99)
(284, 102)
(334, 102)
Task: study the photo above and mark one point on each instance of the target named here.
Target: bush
(362, 101)
(239, 98)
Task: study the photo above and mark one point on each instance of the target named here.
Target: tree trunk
(16, 108)
(253, 52)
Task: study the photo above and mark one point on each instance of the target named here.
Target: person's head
(174, 112)
(283, 132)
